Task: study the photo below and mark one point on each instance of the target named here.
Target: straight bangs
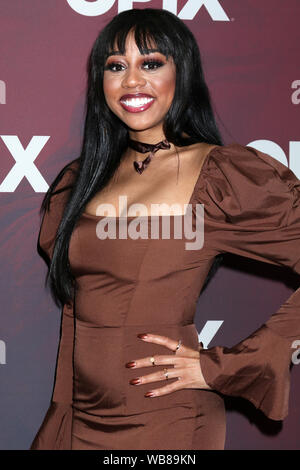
(148, 37)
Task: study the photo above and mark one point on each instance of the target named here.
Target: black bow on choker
(140, 166)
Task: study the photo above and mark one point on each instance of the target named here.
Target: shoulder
(235, 156)
(241, 163)
(60, 188)
(240, 183)
(66, 177)
(53, 205)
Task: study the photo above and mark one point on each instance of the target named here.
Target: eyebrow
(149, 51)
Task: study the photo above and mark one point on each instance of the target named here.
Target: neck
(147, 136)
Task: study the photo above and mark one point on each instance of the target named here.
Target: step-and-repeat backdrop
(250, 52)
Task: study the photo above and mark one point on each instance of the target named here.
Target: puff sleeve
(252, 209)
(55, 430)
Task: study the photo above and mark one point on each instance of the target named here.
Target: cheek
(166, 87)
(109, 90)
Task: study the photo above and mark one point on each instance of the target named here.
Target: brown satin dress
(130, 286)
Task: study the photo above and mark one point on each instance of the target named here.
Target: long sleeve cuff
(256, 369)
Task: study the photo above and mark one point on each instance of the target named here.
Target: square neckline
(216, 147)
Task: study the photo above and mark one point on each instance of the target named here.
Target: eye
(152, 64)
(114, 67)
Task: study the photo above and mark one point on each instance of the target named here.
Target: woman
(147, 95)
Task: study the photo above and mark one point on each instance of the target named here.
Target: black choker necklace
(140, 166)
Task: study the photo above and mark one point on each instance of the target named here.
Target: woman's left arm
(252, 209)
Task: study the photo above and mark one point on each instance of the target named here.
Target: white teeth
(137, 102)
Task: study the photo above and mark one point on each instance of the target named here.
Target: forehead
(122, 44)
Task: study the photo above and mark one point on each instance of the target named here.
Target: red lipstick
(136, 102)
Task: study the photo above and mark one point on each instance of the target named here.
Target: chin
(139, 126)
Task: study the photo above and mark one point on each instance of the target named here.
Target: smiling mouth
(136, 105)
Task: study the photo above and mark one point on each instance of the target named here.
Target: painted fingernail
(149, 394)
(135, 381)
(142, 335)
(130, 364)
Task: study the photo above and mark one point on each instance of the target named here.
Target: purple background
(250, 63)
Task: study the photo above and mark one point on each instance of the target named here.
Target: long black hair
(105, 137)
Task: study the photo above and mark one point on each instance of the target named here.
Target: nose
(133, 78)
